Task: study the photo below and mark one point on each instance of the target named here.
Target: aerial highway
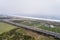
(56, 35)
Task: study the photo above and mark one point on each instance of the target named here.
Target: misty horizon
(49, 9)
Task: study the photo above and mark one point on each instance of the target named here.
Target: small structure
(52, 26)
(49, 25)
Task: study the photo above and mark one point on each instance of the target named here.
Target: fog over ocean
(49, 9)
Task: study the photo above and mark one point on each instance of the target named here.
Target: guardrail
(56, 35)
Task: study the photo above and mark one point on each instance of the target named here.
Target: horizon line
(37, 18)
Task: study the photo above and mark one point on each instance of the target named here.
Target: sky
(34, 8)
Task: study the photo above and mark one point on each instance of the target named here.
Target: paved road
(57, 35)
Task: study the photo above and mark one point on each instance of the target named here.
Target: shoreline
(37, 18)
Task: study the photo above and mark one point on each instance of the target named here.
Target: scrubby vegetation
(22, 34)
(15, 34)
(10, 32)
